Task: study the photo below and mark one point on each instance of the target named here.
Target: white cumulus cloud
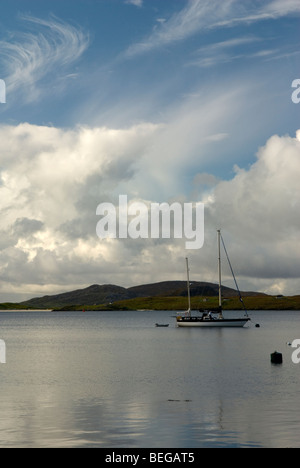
(259, 210)
(52, 180)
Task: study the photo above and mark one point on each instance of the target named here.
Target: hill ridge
(108, 293)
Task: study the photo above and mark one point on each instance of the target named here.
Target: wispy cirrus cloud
(137, 3)
(280, 8)
(46, 51)
(179, 26)
(228, 51)
(251, 12)
(200, 15)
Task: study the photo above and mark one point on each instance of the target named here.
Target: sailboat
(208, 318)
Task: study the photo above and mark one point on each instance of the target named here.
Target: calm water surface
(112, 379)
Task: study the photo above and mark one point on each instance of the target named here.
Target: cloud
(54, 180)
(201, 15)
(270, 10)
(43, 165)
(32, 60)
(179, 26)
(235, 42)
(138, 3)
(50, 188)
(25, 227)
(279, 8)
(258, 209)
(223, 52)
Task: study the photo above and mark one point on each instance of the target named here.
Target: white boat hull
(224, 323)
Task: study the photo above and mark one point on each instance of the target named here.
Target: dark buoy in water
(276, 358)
(257, 325)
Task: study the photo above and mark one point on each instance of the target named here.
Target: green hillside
(180, 303)
(167, 295)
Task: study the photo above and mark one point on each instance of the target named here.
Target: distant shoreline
(198, 302)
(81, 311)
(252, 303)
(25, 310)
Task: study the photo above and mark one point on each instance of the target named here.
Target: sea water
(112, 379)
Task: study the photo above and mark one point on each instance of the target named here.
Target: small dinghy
(162, 325)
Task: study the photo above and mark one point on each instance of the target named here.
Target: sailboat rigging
(188, 312)
(207, 319)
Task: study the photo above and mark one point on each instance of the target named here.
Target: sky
(160, 100)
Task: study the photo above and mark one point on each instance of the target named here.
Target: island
(168, 295)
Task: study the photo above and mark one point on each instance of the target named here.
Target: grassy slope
(12, 306)
(180, 303)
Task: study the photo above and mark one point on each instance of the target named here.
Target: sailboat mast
(188, 284)
(220, 272)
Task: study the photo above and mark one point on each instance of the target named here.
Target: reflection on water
(114, 380)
